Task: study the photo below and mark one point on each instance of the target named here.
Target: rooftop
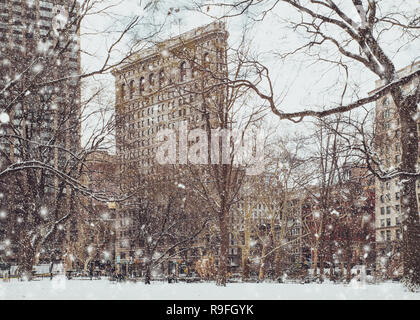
(156, 49)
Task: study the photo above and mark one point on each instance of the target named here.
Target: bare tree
(352, 37)
(165, 221)
(42, 111)
(218, 175)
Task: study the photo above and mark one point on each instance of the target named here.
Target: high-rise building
(161, 88)
(40, 94)
(388, 195)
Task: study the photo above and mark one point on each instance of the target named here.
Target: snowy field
(61, 288)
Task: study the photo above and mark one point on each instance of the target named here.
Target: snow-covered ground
(61, 288)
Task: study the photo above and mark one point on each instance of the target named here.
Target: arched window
(141, 85)
(161, 78)
(182, 71)
(152, 79)
(131, 89)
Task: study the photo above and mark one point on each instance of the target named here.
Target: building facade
(388, 198)
(161, 88)
(40, 64)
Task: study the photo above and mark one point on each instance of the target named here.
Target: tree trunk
(315, 260)
(321, 266)
(245, 264)
(28, 259)
(262, 263)
(330, 253)
(224, 249)
(147, 277)
(278, 264)
(409, 206)
(348, 258)
(246, 249)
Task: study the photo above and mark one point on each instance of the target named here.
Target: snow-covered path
(60, 288)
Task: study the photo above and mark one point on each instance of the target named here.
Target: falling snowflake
(4, 117)
(44, 212)
(165, 53)
(3, 214)
(37, 68)
(335, 212)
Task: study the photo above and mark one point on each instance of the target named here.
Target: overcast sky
(308, 84)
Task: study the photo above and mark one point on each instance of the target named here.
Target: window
(182, 71)
(397, 208)
(383, 235)
(220, 60)
(382, 210)
(388, 210)
(151, 79)
(206, 60)
(386, 102)
(122, 91)
(397, 196)
(161, 78)
(193, 68)
(388, 222)
(388, 235)
(397, 158)
(382, 222)
(141, 85)
(131, 89)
